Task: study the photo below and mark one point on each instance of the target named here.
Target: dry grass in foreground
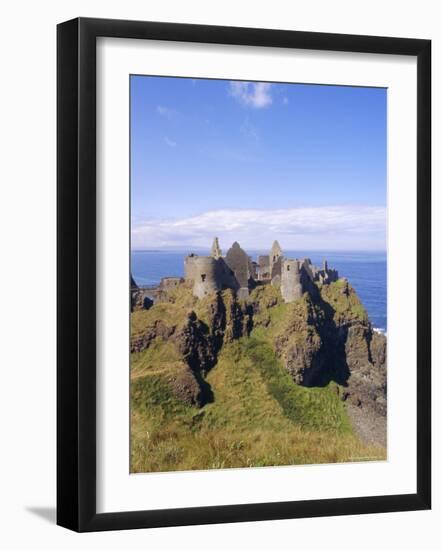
(259, 417)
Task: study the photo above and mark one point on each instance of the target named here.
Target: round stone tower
(189, 267)
(205, 276)
(291, 285)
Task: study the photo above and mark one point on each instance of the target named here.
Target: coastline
(365, 270)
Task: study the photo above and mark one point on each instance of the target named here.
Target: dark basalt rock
(322, 337)
(378, 348)
(195, 344)
(157, 330)
(300, 346)
(186, 387)
(136, 300)
(327, 337)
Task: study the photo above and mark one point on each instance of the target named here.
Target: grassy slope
(258, 418)
(169, 313)
(345, 304)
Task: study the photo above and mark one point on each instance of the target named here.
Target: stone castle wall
(168, 283)
(204, 273)
(238, 264)
(212, 273)
(291, 286)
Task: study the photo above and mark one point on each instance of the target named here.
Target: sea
(366, 271)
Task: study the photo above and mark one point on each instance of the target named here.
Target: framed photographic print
(243, 274)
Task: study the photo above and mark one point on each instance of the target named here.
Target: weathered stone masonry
(237, 271)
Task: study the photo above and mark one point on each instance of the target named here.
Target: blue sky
(305, 164)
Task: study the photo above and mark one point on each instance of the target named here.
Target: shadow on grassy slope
(310, 408)
(258, 418)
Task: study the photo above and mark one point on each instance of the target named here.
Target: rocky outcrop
(366, 358)
(186, 387)
(326, 337)
(198, 339)
(378, 348)
(322, 337)
(158, 329)
(300, 346)
(195, 344)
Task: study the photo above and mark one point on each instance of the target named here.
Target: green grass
(172, 312)
(310, 408)
(345, 305)
(242, 400)
(259, 417)
(159, 357)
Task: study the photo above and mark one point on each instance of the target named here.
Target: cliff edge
(323, 341)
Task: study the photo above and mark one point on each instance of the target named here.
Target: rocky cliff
(326, 336)
(197, 329)
(323, 337)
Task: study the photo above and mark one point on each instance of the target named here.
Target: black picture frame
(76, 274)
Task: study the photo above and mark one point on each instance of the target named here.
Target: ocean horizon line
(207, 249)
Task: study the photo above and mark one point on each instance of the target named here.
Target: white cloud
(251, 94)
(169, 142)
(166, 111)
(347, 227)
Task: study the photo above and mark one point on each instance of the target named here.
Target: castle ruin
(240, 273)
(237, 271)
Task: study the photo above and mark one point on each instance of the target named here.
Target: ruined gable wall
(226, 276)
(275, 252)
(276, 267)
(309, 268)
(238, 262)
